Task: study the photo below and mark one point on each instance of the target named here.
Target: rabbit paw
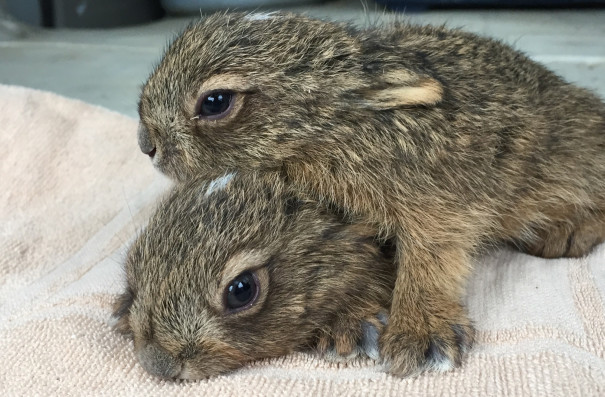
(564, 241)
(438, 347)
(352, 338)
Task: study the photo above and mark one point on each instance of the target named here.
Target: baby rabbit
(241, 269)
(445, 141)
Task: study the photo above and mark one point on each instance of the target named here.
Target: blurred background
(101, 51)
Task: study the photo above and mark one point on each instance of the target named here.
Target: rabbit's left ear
(401, 88)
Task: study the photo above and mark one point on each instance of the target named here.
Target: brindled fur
(324, 284)
(443, 140)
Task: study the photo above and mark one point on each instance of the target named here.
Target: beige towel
(74, 190)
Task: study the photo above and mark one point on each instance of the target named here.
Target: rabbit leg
(574, 238)
(428, 327)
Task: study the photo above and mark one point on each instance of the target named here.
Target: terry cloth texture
(74, 190)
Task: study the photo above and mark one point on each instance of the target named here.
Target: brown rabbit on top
(240, 269)
(444, 140)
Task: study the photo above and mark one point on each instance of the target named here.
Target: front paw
(408, 348)
(351, 338)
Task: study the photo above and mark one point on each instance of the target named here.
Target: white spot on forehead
(219, 183)
(260, 16)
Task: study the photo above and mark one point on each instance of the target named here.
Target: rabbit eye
(214, 105)
(242, 292)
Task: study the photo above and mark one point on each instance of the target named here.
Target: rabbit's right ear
(402, 88)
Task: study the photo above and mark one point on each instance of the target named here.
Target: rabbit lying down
(240, 269)
(445, 141)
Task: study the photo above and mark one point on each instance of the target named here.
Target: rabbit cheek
(179, 159)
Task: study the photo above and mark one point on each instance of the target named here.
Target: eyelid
(201, 98)
(248, 260)
(259, 291)
(238, 84)
(231, 82)
(261, 277)
(245, 260)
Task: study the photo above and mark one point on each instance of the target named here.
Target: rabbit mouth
(145, 141)
(160, 158)
(151, 153)
(159, 362)
(188, 371)
(187, 374)
(156, 161)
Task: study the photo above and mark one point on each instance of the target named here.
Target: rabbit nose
(158, 361)
(145, 142)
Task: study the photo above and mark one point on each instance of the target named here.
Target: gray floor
(107, 67)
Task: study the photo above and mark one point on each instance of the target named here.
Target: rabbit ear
(402, 88)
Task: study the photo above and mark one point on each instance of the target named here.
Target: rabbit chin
(189, 372)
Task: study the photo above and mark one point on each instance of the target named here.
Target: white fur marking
(260, 16)
(219, 183)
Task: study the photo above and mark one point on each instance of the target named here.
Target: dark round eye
(214, 104)
(242, 292)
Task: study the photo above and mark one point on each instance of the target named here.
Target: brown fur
(444, 140)
(321, 281)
